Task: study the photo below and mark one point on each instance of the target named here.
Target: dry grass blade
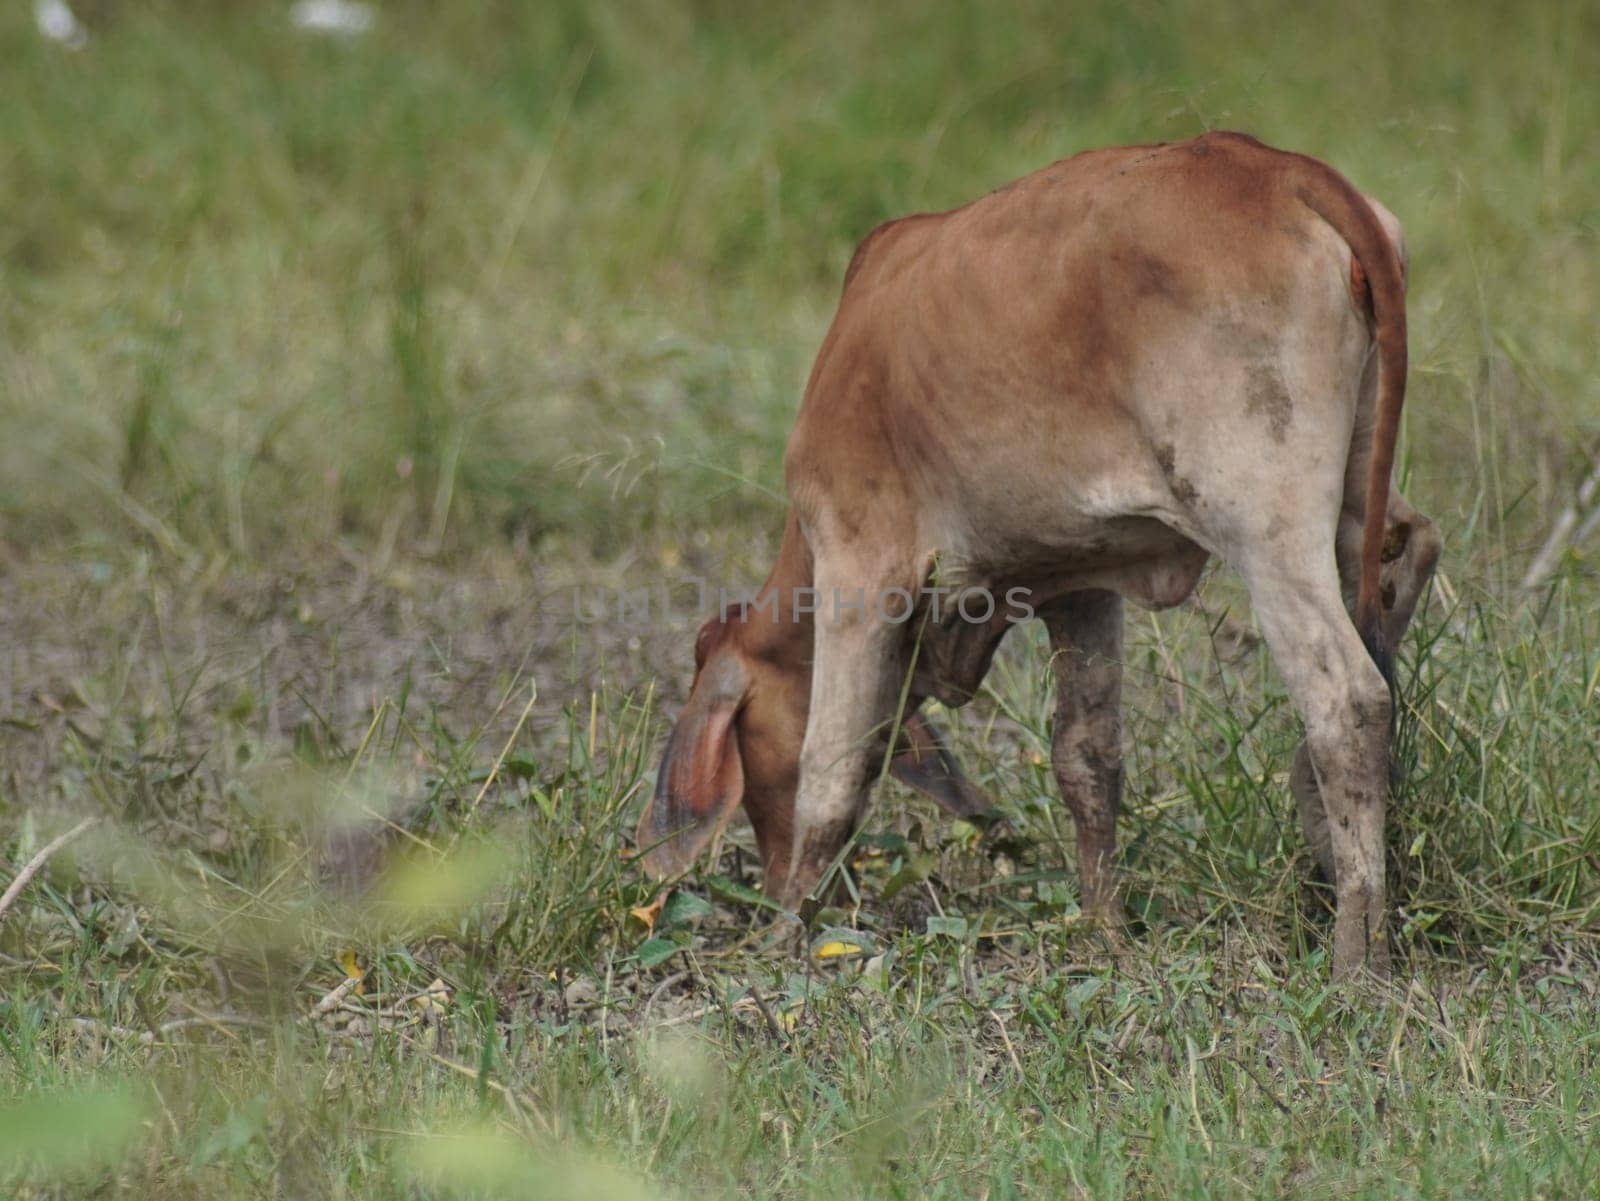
(34, 865)
(1567, 527)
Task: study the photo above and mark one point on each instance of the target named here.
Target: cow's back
(1034, 309)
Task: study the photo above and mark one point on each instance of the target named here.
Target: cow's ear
(922, 761)
(701, 779)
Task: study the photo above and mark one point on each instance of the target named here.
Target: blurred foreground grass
(325, 366)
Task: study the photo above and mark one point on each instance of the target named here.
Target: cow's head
(738, 739)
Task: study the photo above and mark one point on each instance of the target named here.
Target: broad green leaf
(731, 890)
(657, 950)
(682, 907)
(953, 926)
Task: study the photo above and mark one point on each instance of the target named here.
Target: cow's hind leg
(1411, 552)
(1344, 701)
(858, 674)
(1086, 747)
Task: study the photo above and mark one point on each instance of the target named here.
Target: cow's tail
(1331, 197)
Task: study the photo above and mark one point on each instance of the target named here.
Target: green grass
(327, 370)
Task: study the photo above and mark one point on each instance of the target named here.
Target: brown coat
(1074, 391)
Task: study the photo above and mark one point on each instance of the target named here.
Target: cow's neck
(780, 629)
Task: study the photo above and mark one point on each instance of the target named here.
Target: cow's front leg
(1410, 554)
(858, 671)
(1086, 747)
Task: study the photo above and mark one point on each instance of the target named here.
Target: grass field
(330, 371)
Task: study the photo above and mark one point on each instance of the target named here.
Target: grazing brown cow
(1071, 392)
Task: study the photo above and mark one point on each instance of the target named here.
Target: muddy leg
(1344, 702)
(1410, 554)
(1086, 748)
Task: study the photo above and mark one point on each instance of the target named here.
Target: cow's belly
(979, 600)
(1141, 558)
